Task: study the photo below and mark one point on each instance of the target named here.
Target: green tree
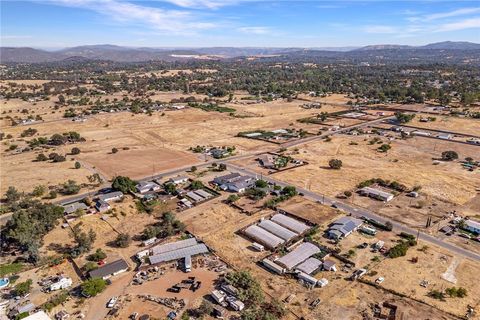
(124, 184)
(77, 165)
(222, 167)
(449, 155)
(94, 286)
(335, 164)
(122, 241)
(23, 288)
(261, 183)
(232, 198)
(98, 255)
(170, 188)
(70, 187)
(39, 191)
(75, 150)
(196, 184)
(12, 195)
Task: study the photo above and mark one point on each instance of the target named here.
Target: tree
(249, 289)
(261, 183)
(289, 191)
(61, 99)
(41, 157)
(335, 164)
(123, 240)
(384, 147)
(97, 256)
(83, 239)
(94, 286)
(12, 195)
(205, 308)
(404, 117)
(23, 288)
(124, 184)
(114, 150)
(89, 266)
(449, 155)
(193, 169)
(170, 188)
(196, 184)
(70, 187)
(58, 139)
(75, 150)
(222, 167)
(232, 198)
(39, 191)
(77, 165)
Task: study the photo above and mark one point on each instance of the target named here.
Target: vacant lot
(408, 162)
(448, 123)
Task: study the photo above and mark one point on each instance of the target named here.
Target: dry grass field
(448, 123)
(408, 162)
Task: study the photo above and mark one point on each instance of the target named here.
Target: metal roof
(194, 196)
(72, 207)
(309, 266)
(179, 253)
(290, 223)
(375, 192)
(109, 268)
(110, 195)
(277, 230)
(345, 225)
(264, 237)
(166, 247)
(203, 193)
(273, 266)
(298, 255)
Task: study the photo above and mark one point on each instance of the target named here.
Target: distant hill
(130, 54)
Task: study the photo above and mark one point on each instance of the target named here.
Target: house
(267, 161)
(219, 153)
(147, 186)
(111, 196)
(376, 194)
(329, 265)
(61, 283)
(472, 226)
(102, 206)
(343, 227)
(73, 207)
(109, 270)
(178, 180)
(234, 182)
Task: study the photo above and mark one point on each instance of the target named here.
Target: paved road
(361, 212)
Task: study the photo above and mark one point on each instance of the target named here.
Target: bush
(195, 185)
(384, 147)
(404, 117)
(77, 165)
(89, 266)
(124, 184)
(449, 155)
(114, 150)
(335, 164)
(261, 184)
(70, 187)
(75, 150)
(232, 198)
(97, 256)
(23, 288)
(41, 157)
(94, 286)
(122, 240)
(456, 292)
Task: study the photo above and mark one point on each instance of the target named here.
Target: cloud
(455, 13)
(163, 20)
(195, 4)
(382, 29)
(255, 30)
(460, 25)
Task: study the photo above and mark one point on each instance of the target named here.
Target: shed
(166, 247)
(298, 255)
(272, 266)
(110, 269)
(329, 265)
(179, 253)
(307, 279)
(290, 223)
(309, 266)
(264, 237)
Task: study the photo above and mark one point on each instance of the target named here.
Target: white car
(379, 280)
(111, 303)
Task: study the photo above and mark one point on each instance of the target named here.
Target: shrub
(122, 241)
(449, 155)
(335, 164)
(75, 150)
(94, 286)
(23, 288)
(261, 184)
(97, 256)
(124, 184)
(77, 165)
(41, 157)
(114, 150)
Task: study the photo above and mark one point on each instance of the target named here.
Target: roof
(167, 247)
(195, 196)
(327, 264)
(109, 268)
(305, 277)
(376, 192)
(309, 266)
(179, 253)
(290, 223)
(277, 230)
(345, 225)
(273, 266)
(72, 207)
(39, 315)
(264, 237)
(178, 178)
(110, 195)
(146, 184)
(298, 255)
(203, 193)
(472, 224)
(25, 308)
(226, 178)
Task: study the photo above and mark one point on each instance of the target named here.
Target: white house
(61, 283)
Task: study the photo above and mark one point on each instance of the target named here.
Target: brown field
(309, 210)
(448, 123)
(408, 162)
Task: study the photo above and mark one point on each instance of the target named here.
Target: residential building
(376, 194)
(178, 180)
(343, 227)
(61, 283)
(111, 196)
(219, 153)
(472, 226)
(267, 161)
(109, 270)
(102, 205)
(147, 186)
(234, 182)
(73, 207)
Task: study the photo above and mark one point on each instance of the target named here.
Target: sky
(238, 23)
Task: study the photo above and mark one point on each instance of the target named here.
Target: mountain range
(131, 54)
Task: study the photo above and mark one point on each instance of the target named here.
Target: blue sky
(201, 23)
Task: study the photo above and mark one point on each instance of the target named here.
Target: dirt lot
(309, 210)
(448, 123)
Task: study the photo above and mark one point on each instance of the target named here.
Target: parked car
(111, 303)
